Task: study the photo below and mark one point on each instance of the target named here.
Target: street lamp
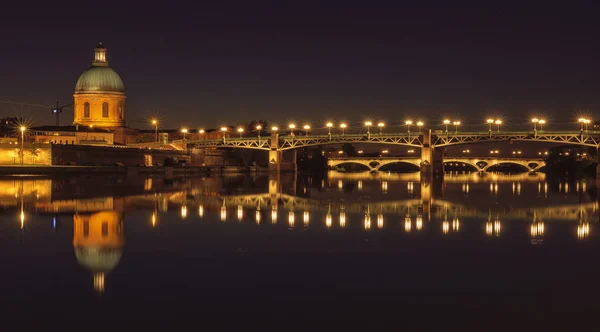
(224, 131)
(274, 128)
(542, 122)
(408, 123)
(498, 123)
(155, 124)
(583, 123)
(420, 125)
(292, 127)
(258, 129)
(240, 130)
(535, 122)
(446, 122)
(587, 122)
(329, 125)
(22, 143)
(368, 124)
(307, 128)
(490, 123)
(343, 127)
(184, 131)
(201, 131)
(456, 124)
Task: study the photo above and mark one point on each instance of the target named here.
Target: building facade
(72, 135)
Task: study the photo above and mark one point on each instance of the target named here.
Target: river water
(376, 251)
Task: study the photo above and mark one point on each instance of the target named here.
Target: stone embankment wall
(107, 156)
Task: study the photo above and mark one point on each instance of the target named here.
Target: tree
(349, 150)
(252, 126)
(34, 151)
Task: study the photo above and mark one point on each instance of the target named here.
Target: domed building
(98, 242)
(99, 95)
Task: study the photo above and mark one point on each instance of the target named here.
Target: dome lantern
(100, 56)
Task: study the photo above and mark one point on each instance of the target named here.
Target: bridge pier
(276, 162)
(431, 159)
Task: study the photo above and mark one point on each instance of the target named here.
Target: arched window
(104, 228)
(105, 110)
(86, 110)
(121, 111)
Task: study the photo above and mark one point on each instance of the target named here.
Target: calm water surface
(387, 251)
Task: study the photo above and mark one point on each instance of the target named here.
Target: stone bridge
(479, 164)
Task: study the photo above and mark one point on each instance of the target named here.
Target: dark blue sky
(233, 61)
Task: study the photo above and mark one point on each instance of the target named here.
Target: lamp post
(535, 122)
(329, 125)
(446, 122)
(381, 125)
(224, 131)
(258, 129)
(490, 123)
(22, 143)
(456, 124)
(155, 124)
(292, 127)
(587, 122)
(306, 129)
(184, 131)
(240, 130)
(408, 124)
(420, 125)
(368, 124)
(542, 122)
(498, 123)
(343, 127)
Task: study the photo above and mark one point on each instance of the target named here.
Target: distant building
(99, 98)
(72, 135)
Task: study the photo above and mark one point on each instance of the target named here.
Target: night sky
(218, 62)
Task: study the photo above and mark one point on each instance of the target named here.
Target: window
(86, 110)
(105, 228)
(105, 110)
(86, 228)
(121, 111)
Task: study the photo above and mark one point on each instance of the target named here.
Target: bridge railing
(404, 134)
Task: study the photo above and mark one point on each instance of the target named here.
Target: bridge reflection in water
(338, 201)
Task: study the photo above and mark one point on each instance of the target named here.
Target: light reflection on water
(480, 205)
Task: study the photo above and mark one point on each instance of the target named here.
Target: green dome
(99, 79)
(98, 260)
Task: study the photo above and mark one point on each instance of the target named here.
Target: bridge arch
(303, 143)
(373, 164)
(474, 165)
(529, 165)
(481, 164)
(337, 164)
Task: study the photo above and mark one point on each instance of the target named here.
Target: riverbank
(60, 169)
